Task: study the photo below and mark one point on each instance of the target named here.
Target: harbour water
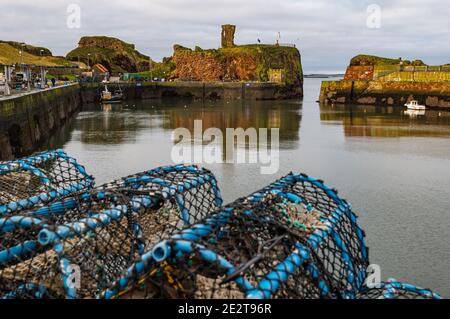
(394, 167)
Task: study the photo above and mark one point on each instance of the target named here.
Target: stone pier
(197, 90)
(28, 120)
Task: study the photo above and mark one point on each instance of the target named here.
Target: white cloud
(328, 32)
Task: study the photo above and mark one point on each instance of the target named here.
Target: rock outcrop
(116, 55)
(240, 63)
(279, 64)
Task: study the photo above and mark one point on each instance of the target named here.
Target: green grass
(10, 55)
(29, 48)
(384, 63)
(372, 60)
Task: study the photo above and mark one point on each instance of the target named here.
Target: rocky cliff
(239, 63)
(116, 55)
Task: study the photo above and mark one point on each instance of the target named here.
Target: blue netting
(394, 289)
(101, 232)
(164, 233)
(293, 239)
(40, 179)
(37, 250)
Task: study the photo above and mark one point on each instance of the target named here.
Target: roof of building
(101, 68)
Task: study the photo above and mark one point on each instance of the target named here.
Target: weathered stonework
(90, 92)
(432, 94)
(228, 31)
(393, 82)
(28, 121)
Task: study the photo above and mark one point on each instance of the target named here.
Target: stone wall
(28, 121)
(198, 90)
(429, 76)
(432, 94)
(375, 68)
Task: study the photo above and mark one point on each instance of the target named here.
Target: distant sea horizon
(323, 75)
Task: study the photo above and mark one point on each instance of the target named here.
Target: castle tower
(228, 31)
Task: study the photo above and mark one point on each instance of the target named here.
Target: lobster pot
(336, 242)
(47, 258)
(294, 239)
(177, 196)
(21, 256)
(17, 229)
(396, 290)
(39, 179)
(246, 256)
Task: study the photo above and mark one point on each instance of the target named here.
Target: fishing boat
(414, 105)
(110, 97)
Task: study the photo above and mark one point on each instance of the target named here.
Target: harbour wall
(28, 120)
(198, 90)
(435, 95)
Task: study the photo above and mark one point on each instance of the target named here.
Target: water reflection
(121, 123)
(379, 121)
(414, 113)
(60, 137)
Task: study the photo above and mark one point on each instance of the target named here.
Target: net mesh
(90, 234)
(40, 179)
(294, 239)
(184, 195)
(396, 290)
(164, 233)
(100, 233)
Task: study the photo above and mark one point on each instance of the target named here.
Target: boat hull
(416, 108)
(114, 98)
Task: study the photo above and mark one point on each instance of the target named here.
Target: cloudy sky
(328, 32)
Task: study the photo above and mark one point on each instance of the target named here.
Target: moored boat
(108, 96)
(414, 105)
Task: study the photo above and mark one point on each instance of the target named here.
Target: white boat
(108, 97)
(414, 105)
